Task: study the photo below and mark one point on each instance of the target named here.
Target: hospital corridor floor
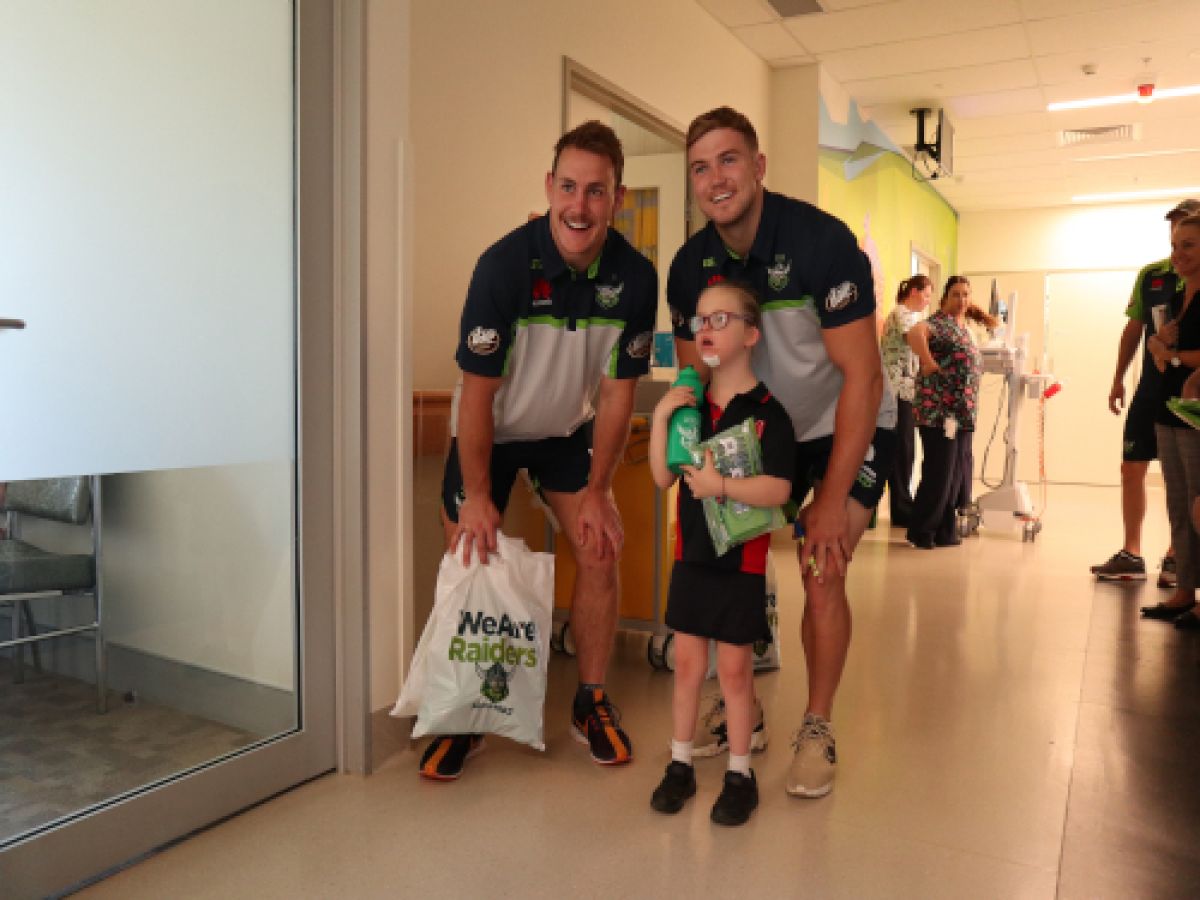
(1006, 727)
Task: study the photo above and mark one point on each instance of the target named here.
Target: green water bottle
(683, 434)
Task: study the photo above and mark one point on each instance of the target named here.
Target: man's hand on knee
(598, 529)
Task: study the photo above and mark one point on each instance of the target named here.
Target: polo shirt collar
(764, 237)
(756, 396)
(552, 262)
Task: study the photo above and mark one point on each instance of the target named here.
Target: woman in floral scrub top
(944, 406)
(901, 365)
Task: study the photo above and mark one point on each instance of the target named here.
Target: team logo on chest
(609, 295)
(777, 275)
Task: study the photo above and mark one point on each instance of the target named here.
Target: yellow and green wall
(889, 210)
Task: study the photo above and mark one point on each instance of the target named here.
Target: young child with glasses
(711, 597)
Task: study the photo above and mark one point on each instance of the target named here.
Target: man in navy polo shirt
(559, 311)
(1156, 286)
(819, 356)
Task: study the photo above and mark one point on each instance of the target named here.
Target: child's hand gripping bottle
(683, 434)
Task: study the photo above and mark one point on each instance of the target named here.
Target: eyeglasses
(716, 321)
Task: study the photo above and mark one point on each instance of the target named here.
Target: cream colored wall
(1077, 254)
(198, 568)
(487, 109)
(1081, 238)
(388, 309)
(795, 126)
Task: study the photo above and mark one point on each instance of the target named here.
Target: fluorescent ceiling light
(1190, 90)
(1136, 195)
(1134, 155)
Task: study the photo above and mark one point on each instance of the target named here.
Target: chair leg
(19, 649)
(31, 629)
(101, 673)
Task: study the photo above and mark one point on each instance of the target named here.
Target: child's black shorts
(718, 604)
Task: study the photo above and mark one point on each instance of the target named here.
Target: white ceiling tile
(786, 62)
(1013, 144)
(732, 13)
(923, 54)
(997, 63)
(900, 21)
(929, 86)
(1145, 23)
(1049, 9)
(1170, 58)
(996, 103)
(840, 5)
(769, 41)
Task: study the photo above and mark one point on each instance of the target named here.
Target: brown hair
(916, 283)
(1193, 221)
(746, 297)
(973, 311)
(594, 137)
(722, 117)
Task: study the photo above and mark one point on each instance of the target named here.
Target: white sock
(681, 751)
(740, 764)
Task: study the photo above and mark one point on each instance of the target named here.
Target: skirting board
(389, 736)
(231, 700)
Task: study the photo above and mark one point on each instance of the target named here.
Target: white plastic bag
(481, 663)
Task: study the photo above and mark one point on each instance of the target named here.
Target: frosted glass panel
(146, 211)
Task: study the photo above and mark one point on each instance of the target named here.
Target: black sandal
(1163, 612)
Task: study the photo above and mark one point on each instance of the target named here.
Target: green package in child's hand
(736, 454)
(1188, 410)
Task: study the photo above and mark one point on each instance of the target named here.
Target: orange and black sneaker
(597, 723)
(447, 754)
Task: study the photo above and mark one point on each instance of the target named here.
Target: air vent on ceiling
(788, 8)
(1104, 134)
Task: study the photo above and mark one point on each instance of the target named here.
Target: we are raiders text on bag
(481, 662)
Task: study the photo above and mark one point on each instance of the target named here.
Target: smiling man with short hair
(558, 311)
(820, 357)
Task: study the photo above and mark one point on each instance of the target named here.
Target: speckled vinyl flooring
(59, 756)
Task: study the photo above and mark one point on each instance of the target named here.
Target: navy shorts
(812, 458)
(559, 464)
(1138, 442)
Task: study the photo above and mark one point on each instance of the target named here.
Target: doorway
(168, 212)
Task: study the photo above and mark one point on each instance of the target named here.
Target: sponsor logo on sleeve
(639, 347)
(609, 295)
(483, 341)
(841, 296)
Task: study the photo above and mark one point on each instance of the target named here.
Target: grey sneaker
(1121, 566)
(1168, 576)
(815, 762)
(712, 738)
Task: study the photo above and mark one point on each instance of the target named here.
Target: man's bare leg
(1133, 503)
(825, 631)
(594, 604)
(826, 626)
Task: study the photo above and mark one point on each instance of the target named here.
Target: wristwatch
(1176, 361)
